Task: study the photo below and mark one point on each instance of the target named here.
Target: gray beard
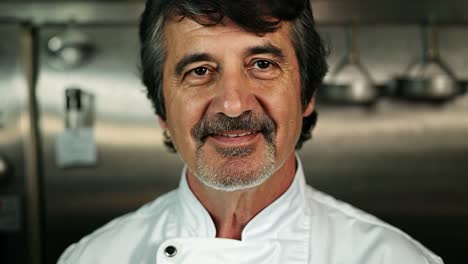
(235, 177)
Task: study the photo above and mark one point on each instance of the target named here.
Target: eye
(200, 71)
(262, 64)
(264, 69)
(199, 75)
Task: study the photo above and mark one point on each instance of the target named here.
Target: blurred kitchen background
(80, 145)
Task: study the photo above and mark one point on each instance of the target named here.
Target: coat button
(170, 251)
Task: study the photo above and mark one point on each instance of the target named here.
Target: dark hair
(258, 16)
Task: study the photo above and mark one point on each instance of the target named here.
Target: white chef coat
(302, 226)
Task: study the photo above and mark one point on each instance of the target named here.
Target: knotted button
(170, 251)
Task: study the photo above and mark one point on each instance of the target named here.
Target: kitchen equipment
(103, 153)
(350, 82)
(429, 79)
(69, 49)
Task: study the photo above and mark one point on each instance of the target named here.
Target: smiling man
(233, 84)
(234, 113)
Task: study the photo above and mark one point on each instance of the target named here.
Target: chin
(235, 169)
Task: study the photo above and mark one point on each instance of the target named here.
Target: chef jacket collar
(285, 218)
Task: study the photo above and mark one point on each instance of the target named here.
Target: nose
(234, 94)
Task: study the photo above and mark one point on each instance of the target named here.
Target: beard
(236, 170)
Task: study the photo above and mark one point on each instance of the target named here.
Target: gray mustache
(221, 123)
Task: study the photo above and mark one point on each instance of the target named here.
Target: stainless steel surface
(133, 166)
(61, 12)
(395, 11)
(325, 11)
(14, 138)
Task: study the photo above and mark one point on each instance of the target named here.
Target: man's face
(232, 101)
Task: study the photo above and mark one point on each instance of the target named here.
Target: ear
(310, 107)
(162, 123)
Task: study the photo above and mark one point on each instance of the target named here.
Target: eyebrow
(266, 48)
(191, 58)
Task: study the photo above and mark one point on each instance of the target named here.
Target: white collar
(285, 218)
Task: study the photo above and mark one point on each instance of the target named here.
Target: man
(233, 84)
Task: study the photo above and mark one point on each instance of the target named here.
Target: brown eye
(264, 69)
(200, 71)
(199, 75)
(262, 64)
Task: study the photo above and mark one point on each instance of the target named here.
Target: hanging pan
(350, 82)
(429, 79)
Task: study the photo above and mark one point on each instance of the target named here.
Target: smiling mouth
(235, 135)
(235, 138)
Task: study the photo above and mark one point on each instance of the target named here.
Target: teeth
(237, 135)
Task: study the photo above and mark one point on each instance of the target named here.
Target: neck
(231, 211)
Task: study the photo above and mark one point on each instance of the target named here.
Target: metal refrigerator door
(13, 138)
(132, 165)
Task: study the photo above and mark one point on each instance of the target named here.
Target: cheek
(288, 111)
(184, 110)
(180, 124)
(283, 106)
(180, 118)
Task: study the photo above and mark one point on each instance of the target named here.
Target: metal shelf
(326, 12)
(391, 12)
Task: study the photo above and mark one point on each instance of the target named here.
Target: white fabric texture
(302, 226)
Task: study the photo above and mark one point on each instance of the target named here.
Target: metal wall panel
(325, 11)
(132, 165)
(13, 126)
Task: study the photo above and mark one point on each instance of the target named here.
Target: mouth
(234, 135)
(234, 138)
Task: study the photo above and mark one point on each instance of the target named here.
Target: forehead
(185, 34)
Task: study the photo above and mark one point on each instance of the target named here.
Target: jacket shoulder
(120, 233)
(360, 236)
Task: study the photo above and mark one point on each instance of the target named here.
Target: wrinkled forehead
(205, 26)
(184, 35)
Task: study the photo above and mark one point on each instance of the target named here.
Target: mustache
(220, 123)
